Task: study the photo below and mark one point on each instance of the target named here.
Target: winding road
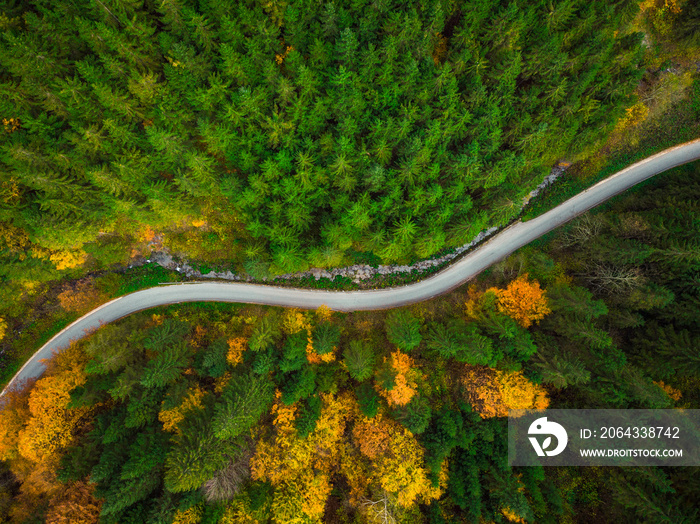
(495, 249)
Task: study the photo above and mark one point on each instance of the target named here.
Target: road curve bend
(495, 249)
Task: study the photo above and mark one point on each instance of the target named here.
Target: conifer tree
(244, 400)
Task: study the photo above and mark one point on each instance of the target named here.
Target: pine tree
(326, 337)
(197, 454)
(166, 367)
(359, 360)
(243, 402)
(265, 334)
(403, 330)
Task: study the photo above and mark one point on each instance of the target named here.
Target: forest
(216, 413)
(304, 130)
(273, 136)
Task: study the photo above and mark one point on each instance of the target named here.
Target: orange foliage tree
(404, 384)
(522, 300)
(482, 392)
(35, 427)
(51, 425)
(75, 505)
(82, 297)
(14, 413)
(672, 392)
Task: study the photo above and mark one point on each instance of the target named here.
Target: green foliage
(170, 332)
(197, 453)
(368, 399)
(146, 454)
(326, 336)
(79, 460)
(127, 493)
(597, 349)
(143, 407)
(359, 358)
(294, 356)
(243, 402)
(307, 416)
(403, 330)
(385, 376)
(562, 372)
(462, 341)
(113, 348)
(166, 367)
(158, 130)
(265, 333)
(298, 384)
(214, 359)
(415, 415)
(265, 362)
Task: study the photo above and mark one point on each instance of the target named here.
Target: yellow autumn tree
(240, 511)
(172, 417)
(511, 515)
(236, 348)
(674, 6)
(492, 393)
(192, 515)
(294, 320)
(517, 392)
(633, 116)
(300, 469)
(323, 312)
(3, 328)
(65, 259)
(522, 300)
(15, 238)
(395, 461)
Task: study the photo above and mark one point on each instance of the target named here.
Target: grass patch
(145, 276)
(32, 338)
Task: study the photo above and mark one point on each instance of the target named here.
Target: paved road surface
(497, 248)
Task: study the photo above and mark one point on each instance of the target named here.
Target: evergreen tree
(265, 333)
(309, 412)
(326, 336)
(368, 399)
(243, 402)
(166, 367)
(403, 330)
(359, 360)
